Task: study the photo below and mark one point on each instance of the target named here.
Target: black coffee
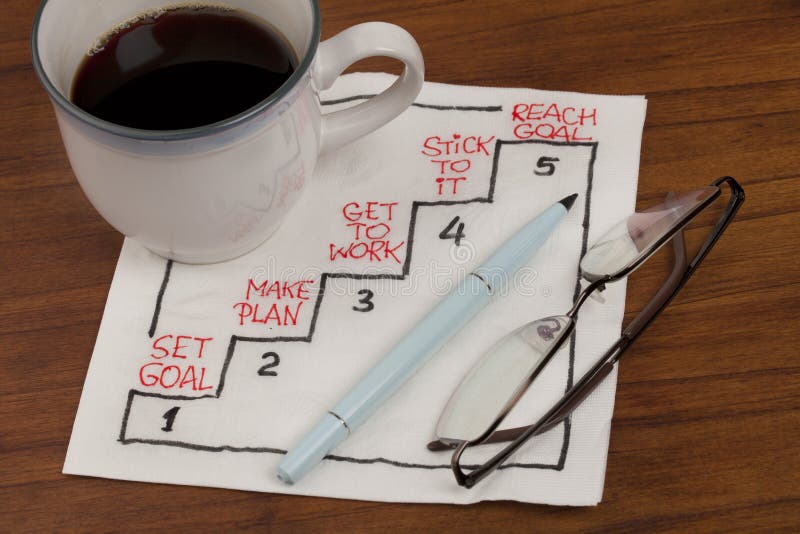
(182, 68)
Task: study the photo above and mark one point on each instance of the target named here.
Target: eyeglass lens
(500, 375)
(635, 237)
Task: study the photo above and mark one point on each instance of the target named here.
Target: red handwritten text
(370, 224)
(452, 158)
(170, 366)
(549, 121)
(281, 305)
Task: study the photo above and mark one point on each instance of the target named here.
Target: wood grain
(706, 431)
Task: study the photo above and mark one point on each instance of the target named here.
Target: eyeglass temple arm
(737, 197)
(592, 379)
(665, 292)
(683, 270)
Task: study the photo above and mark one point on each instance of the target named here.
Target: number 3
(366, 301)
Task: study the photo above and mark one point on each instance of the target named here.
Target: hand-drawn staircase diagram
(157, 419)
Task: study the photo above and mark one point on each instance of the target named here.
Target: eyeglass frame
(573, 397)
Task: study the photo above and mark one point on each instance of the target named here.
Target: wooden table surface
(706, 428)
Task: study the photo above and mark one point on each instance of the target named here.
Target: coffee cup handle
(356, 43)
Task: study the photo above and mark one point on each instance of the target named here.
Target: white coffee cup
(213, 193)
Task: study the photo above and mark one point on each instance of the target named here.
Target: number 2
(275, 361)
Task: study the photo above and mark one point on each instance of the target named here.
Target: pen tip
(567, 202)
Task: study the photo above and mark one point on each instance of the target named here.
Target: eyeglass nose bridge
(598, 285)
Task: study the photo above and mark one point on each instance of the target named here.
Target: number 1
(170, 417)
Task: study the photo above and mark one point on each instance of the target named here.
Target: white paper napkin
(206, 375)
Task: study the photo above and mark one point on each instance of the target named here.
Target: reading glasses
(505, 372)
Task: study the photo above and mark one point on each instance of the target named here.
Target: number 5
(548, 166)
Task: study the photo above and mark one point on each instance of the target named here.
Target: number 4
(458, 236)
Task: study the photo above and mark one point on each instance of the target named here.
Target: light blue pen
(427, 337)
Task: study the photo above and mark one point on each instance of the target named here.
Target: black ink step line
(124, 440)
(415, 205)
(416, 104)
(159, 299)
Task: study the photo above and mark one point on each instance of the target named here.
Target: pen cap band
(328, 433)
